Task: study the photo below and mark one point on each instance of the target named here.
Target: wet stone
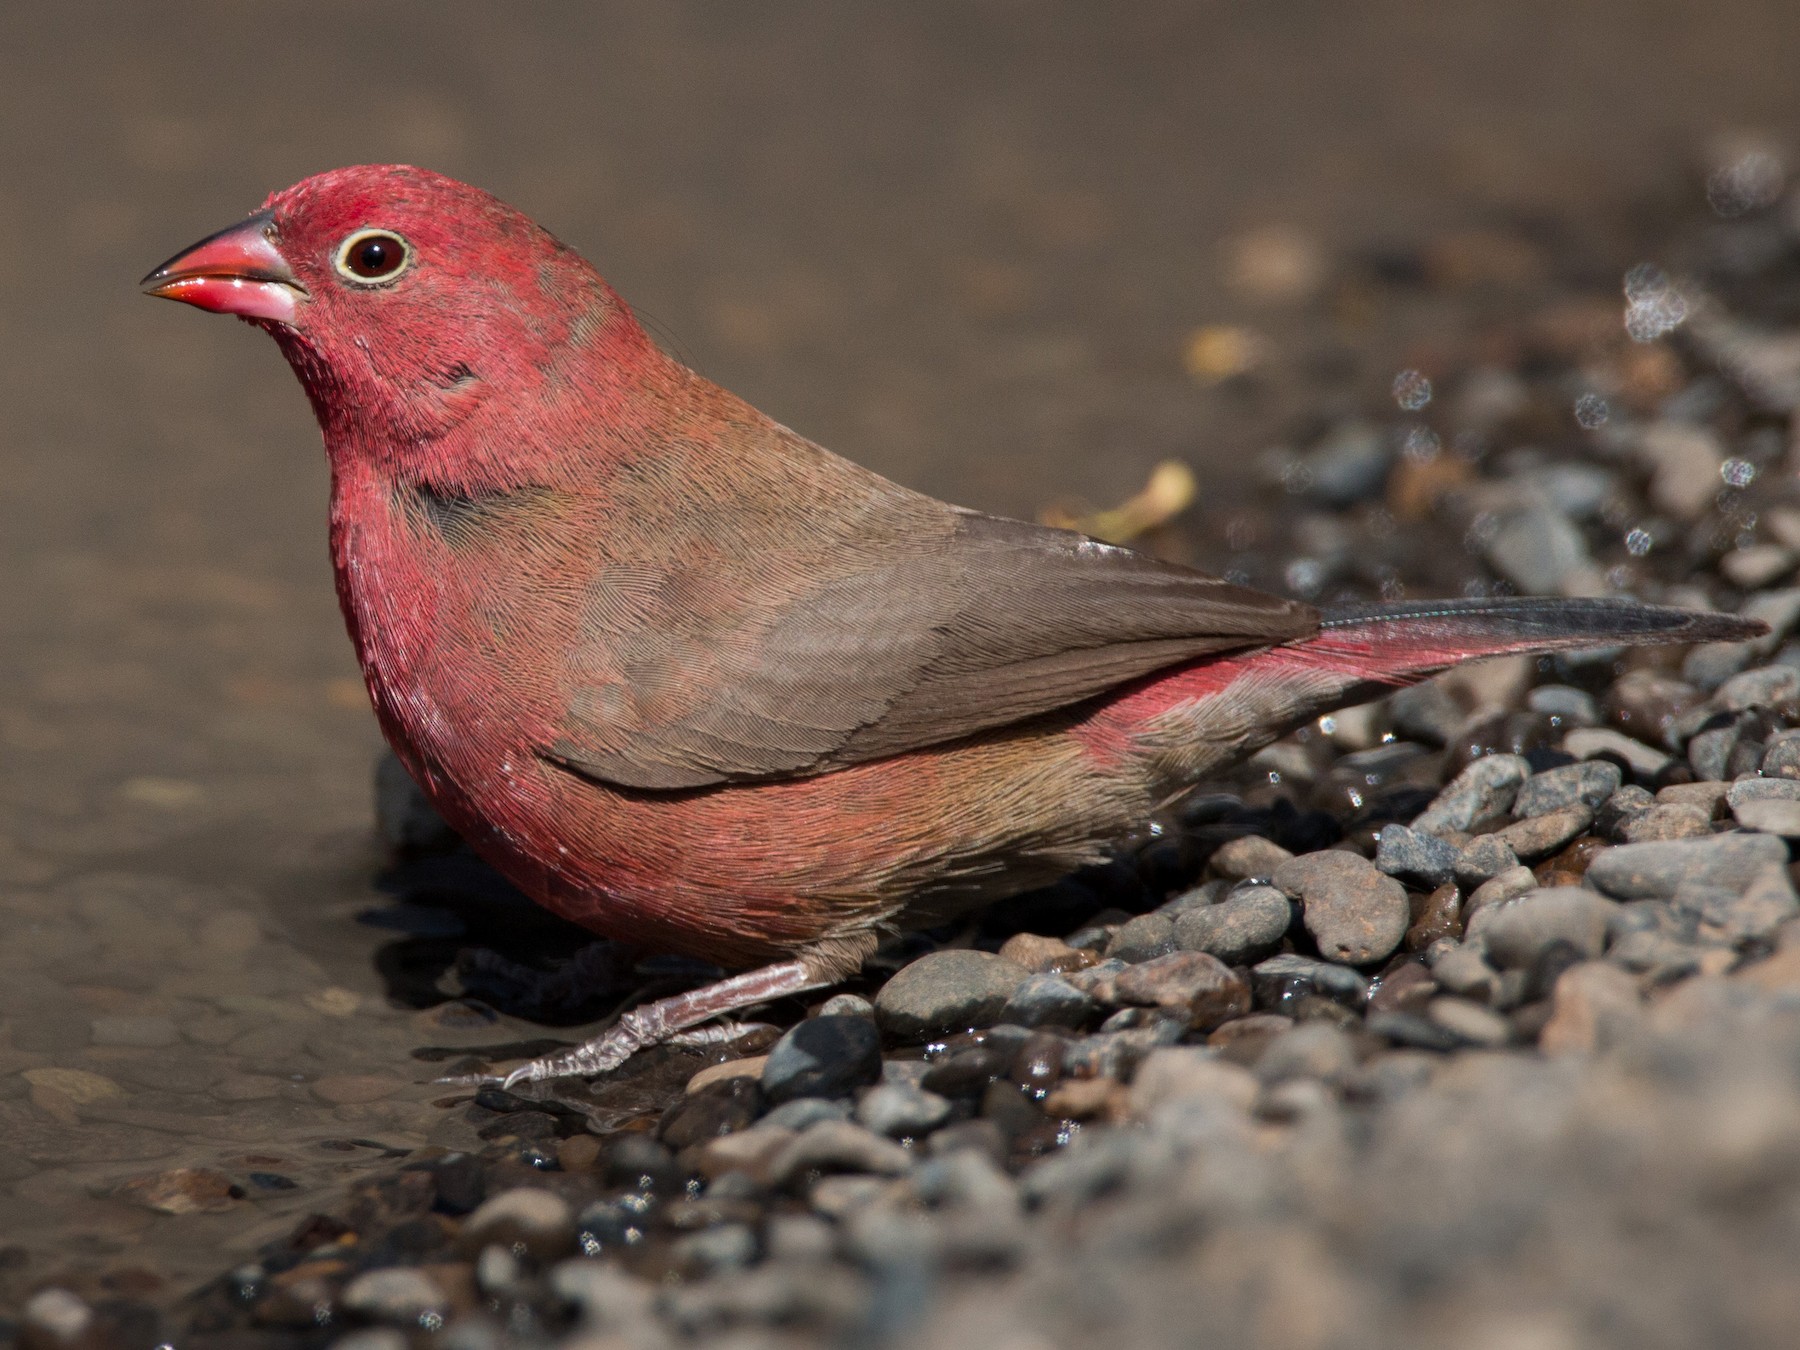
(1242, 929)
(1045, 955)
(1250, 856)
(397, 1295)
(1281, 982)
(846, 1005)
(1538, 549)
(1753, 914)
(1486, 788)
(1595, 1004)
(1314, 1050)
(1588, 783)
(1654, 871)
(1540, 836)
(1203, 896)
(1482, 859)
(1353, 912)
(1199, 986)
(1406, 989)
(804, 1111)
(537, 1220)
(823, 1057)
(1644, 761)
(1420, 860)
(1516, 932)
(1464, 971)
(1575, 707)
(183, 1190)
(1048, 1001)
(716, 1110)
(1470, 1022)
(901, 1111)
(837, 1146)
(1435, 916)
(946, 992)
(1141, 938)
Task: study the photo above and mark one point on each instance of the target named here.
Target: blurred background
(979, 246)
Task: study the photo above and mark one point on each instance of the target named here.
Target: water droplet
(1638, 542)
(1748, 182)
(1393, 589)
(1328, 724)
(1591, 412)
(1653, 306)
(1412, 390)
(1296, 478)
(1304, 577)
(1738, 473)
(1422, 445)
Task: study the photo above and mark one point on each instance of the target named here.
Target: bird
(703, 687)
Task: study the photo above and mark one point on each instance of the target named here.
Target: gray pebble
(1653, 871)
(1145, 936)
(846, 1005)
(1538, 837)
(1241, 930)
(1482, 859)
(1517, 931)
(1752, 914)
(902, 1111)
(1048, 1001)
(611, 1300)
(823, 1057)
(1781, 756)
(837, 1146)
(1589, 742)
(1310, 1050)
(527, 1216)
(946, 992)
(1427, 713)
(1420, 860)
(1537, 549)
(397, 1295)
(1763, 687)
(1470, 1022)
(724, 1246)
(1575, 707)
(1353, 912)
(1248, 856)
(1666, 820)
(805, 1111)
(1282, 980)
(1709, 751)
(1486, 788)
(1463, 970)
(1588, 783)
(1770, 815)
(1203, 896)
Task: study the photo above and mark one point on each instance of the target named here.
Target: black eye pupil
(376, 256)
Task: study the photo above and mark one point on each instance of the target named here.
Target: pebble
(1470, 1022)
(1315, 1050)
(1202, 987)
(143, 1031)
(1242, 929)
(1781, 756)
(1643, 760)
(54, 1317)
(1463, 970)
(1249, 856)
(537, 1220)
(1045, 955)
(397, 1295)
(1753, 914)
(945, 992)
(1538, 550)
(1666, 820)
(1354, 913)
(1595, 1004)
(1653, 871)
(1482, 859)
(1504, 886)
(846, 1005)
(1420, 860)
(823, 1057)
(1185, 1074)
(1575, 707)
(1486, 788)
(1141, 938)
(1435, 916)
(1517, 932)
(1281, 981)
(1538, 837)
(1588, 783)
(901, 1110)
(1048, 1001)
(836, 1146)
(1763, 687)
(183, 1190)
(805, 1111)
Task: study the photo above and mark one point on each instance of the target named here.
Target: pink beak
(236, 271)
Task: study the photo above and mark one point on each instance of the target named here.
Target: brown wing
(946, 624)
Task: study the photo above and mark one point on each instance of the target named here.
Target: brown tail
(1403, 641)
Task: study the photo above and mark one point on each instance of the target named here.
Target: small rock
(612, 1301)
(1246, 926)
(146, 1032)
(1141, 938)
(1048, 1001)
(846, 1005)
(837, 1146)
(751, 1066)
(1463, 971)
(183, 1190)
(1353, 912)
(748, 1151)
(1420, 860)
(724, 1246)
(1434, 917)
(1470, 1022)
(53, 1318)
(1248, 856)
(1315, 1050)
(1516, 932)
(1505, 886)
(946, 992)
(1045, 955)
(1183, 1073)
(1573, 707)
(1085, 1099)
(1282, 981)
(823, 1057)
(537, 1220)
(804, 1111)
(1590, 742)
(1588, 783)
(1594, 1005)
(1653, 871)
(901, 1111)
(1757, 566)
(397, 1295)
(1482, 859)
(1707, 797)
(1671, 820)
(1763, 687)
(1684, 462)
(1538, 549)
(1203, 988)
(1538, 837)
(1754, 914)
(1486, 788)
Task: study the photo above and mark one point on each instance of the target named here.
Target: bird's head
(405, 300)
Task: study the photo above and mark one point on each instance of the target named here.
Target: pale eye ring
(373, 257)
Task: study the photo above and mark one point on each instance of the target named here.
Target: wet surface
(963, 244)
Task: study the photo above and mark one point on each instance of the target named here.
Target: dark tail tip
(1552, 621)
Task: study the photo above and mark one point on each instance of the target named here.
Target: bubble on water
(1296, 478)
(1591, 412)
(1738, 473)
(1393, 589)
(1412, 390)
(1421, 445)
(1750, 180)
(1638, 542)
(1653, 306)
(1304, 577)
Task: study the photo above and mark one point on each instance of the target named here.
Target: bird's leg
(659, 1022)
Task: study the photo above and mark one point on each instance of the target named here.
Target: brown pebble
(1204, 987)
(750, 1067)
(1046, 955)
(578, 1153)
(1248, 856)
(1086, 1099)
(1667, 820)
(1434, 916)
(1406, 989)
(184, 1190)
(1594, 1003)
(1539, 837)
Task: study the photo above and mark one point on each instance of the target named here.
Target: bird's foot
(668, 1021)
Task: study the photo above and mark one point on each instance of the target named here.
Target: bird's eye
(373, 257)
